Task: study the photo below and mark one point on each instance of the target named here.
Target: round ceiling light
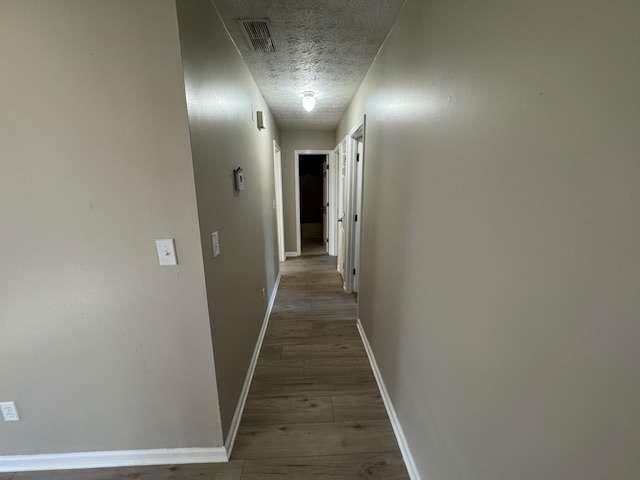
(308, 101)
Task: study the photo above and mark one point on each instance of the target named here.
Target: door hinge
(356, 217)
(358, 157)
(354, 271)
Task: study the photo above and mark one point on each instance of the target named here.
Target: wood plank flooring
(314, 411)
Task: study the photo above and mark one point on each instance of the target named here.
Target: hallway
(190, 188)
(314, 409)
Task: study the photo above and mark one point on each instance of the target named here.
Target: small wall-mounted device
(238, 179)
(260, 120)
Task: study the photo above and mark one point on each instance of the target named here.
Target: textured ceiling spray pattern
(324, 46)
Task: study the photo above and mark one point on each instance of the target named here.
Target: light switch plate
(9, 411)
(215, 244)
(166, 249)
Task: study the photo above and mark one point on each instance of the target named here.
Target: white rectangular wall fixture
(112, 458)
(9, 411)
(166, 249)
(215, 244)
(260, 120)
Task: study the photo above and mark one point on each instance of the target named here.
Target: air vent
(258, 34)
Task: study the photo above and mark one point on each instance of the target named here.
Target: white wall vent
(258, 34)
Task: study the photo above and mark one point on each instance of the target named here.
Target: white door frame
(353, 205)
(357, 206)
(277, 177)
(333, 203)
(297, 180)
(341, 233)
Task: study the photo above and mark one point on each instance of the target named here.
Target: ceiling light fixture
(308, 101)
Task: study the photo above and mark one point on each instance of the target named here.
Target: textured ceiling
(324, 46)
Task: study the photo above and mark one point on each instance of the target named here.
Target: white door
(277, 174)
(352, 218)
(332, 204)
(325, 204)
(342, 172)
(358, 171)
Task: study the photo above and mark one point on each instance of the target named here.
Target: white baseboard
(291, 254)
(115, 458)
(161, 456)
(395, 423)
(237, 416)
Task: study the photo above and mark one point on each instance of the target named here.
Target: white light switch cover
(215, 243)
(166, 252)
(9, 412)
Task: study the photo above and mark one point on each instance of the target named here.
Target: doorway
(312, 200)
(357, 207)
(341, 223)
(350, 206)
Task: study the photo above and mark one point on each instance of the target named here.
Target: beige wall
(221, 94)
(500, 281)
(101, 348)
(293, 140)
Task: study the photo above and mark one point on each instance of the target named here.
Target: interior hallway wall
(293, 140)
(500, 280)
(222, 98)
(100, 346)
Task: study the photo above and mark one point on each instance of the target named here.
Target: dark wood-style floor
(313, 246)
(314, 411)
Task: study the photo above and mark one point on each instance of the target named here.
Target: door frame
(333, 203)
(358, 184)
(340, 206)
(327, 154)
(354, 188)
(278, 205)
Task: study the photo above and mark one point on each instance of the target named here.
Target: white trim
(354, 133)
(358, 187)
(291, 254)
(395, 423)
(332, 212)
(353, 204)
(297, 184)
(237, 416)
(278, 205)
(160, 456)
(115, 458)
(341, 231)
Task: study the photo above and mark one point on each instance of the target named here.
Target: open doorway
(312, 200)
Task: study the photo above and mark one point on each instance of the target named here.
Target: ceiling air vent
(258, 33)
